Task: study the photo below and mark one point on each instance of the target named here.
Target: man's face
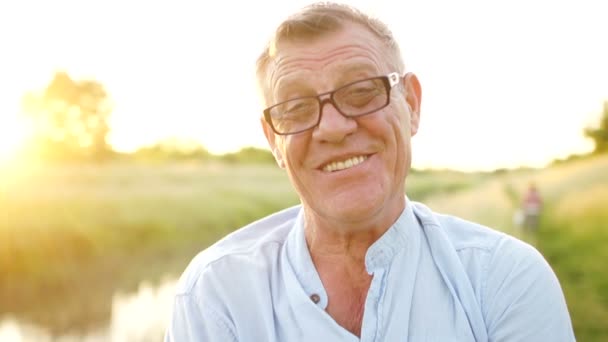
(345, 169)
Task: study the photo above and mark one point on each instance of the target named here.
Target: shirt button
(315, 298)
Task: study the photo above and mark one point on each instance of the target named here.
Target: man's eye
(299, 108)
(361, 96)
(363, 91)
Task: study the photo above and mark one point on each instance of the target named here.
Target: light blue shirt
(435, 278)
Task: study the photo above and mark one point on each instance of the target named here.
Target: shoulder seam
(478, 247)
(196, 278)
(486, 268)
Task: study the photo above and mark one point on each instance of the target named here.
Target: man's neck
(341, 268)
(344, 240)
(339, 257)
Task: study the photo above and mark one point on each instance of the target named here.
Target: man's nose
(333, 126)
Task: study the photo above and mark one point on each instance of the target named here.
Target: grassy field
(75, 234)
(574, 237)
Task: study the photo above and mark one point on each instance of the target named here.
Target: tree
(70, 118)
(600, 135)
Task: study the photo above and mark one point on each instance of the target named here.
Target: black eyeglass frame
(389, 82)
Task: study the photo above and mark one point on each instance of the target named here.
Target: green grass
(74, 235)
(579, 261)
(574, 240)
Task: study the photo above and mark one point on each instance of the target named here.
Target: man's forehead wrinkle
(285, 64)
(287, 75)
(317, 56)
(348, 69)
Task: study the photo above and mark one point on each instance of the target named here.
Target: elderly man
(358, 261)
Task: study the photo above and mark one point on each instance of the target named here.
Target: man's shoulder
(487, 255)
(462, 234)
(240, 245)
(465, 235)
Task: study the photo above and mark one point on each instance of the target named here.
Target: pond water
(140, 316)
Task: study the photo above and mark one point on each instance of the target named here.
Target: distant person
(358, 260)
(532, 205)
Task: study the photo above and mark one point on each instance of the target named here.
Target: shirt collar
(382, 252)
(379, 255)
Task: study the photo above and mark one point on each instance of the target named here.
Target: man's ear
(413, 97)
(270, 137)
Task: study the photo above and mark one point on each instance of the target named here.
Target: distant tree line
(599, 134)
(70, 122)
(173, 149)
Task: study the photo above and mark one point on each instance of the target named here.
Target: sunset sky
(505, 84)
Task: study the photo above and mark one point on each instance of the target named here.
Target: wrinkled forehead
(334, 58)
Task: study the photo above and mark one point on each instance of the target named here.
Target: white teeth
(344, 164)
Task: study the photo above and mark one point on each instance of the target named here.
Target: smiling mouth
(344, 164)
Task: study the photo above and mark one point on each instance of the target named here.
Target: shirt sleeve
(522, 298)
(191, 322)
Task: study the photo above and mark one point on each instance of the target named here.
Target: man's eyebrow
(348, 72)
(288, 82)
(285, 86)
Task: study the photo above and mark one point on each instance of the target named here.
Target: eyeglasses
(351, 100)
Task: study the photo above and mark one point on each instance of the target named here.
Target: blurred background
(130, 141)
